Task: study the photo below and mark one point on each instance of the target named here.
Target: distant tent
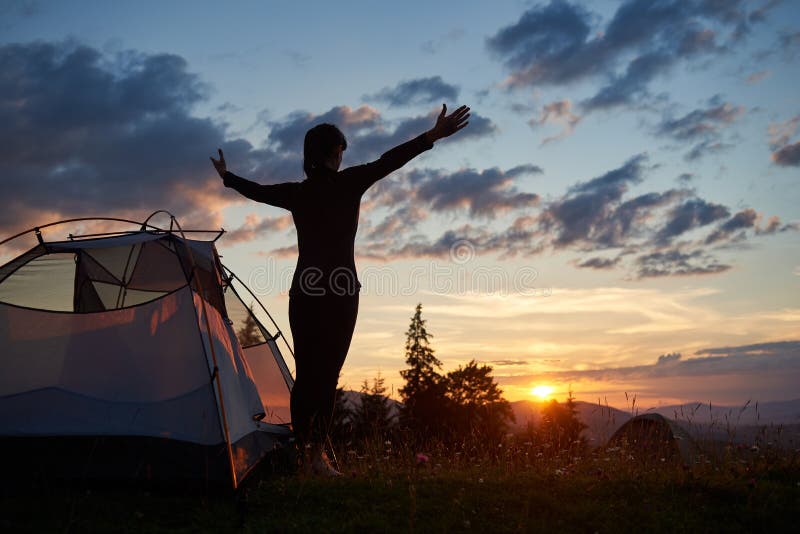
(654, 436)
(120, 358)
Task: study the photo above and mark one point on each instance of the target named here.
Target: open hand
(219, 164)
(447, 125)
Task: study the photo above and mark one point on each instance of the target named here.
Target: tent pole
(215, 376)
(77, 219)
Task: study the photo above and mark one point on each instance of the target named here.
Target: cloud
(630, 86)
(784, 153)
(546, 45)
(558, 112)
(745, 220)
(518, 238)
(704, 148)
(502, 363)
(667, 359)
(742, 220)
(788, 156)
(694, 213)
(368, 133)
(599, 263)
(758, 358)
(781, 132)
(593, 215)
(556, 44)
(701, 123)
(254, 227)
(483, 193)
(82, 130)
(757, 77)
(398, 223)
(432, 90)
(287, 135)
(586, 214)
(702, 126)
(675, 262)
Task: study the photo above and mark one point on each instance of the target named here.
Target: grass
(515, 487)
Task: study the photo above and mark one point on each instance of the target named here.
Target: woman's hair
(320, 142)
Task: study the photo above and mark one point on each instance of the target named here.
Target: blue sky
(641, 158)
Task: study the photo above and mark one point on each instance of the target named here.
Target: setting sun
(541, 391)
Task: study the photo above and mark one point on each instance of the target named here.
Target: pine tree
(373, 417)
(421, 373)
(560, 425)
(249, 334)
(424, 392)
(574, 426)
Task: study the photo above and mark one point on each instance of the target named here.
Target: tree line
(466, 403)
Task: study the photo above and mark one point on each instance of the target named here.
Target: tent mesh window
(96, 275)
(39, 281)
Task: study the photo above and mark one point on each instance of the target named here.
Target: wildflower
(754, 448)
(422, 458)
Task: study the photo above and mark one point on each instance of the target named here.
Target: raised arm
(363, 176)
(280, 195)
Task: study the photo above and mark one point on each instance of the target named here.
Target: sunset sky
(621, 214)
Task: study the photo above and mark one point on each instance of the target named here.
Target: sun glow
(541, 391)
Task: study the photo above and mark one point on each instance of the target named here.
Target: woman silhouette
(323, 298)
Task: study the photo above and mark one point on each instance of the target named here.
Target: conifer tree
(373, 416)
(421, 372)
(423, 394)
(560, 425)
(249, 334)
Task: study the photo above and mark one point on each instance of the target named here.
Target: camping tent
(131, 354)
(654, 437)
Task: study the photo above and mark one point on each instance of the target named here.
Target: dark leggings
(322, 327)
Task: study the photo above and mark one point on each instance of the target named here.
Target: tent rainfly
(654, 436)
(132, 355)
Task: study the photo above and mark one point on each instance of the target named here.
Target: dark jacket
(325, 210)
